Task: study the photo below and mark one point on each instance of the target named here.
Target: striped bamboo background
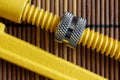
(102, 16)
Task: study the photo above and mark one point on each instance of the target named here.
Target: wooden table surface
(102, 16)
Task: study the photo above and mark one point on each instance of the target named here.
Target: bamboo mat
(102, 16)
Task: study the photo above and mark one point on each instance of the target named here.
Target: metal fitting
(70, 29)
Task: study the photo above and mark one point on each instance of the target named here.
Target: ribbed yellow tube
(101, 43)
(93, 39)
(39, 17)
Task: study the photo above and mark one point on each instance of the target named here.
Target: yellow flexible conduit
(89, 37)
(101, 43)
(40, 17)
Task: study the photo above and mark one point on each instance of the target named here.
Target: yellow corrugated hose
(101, 43)
(89, 37)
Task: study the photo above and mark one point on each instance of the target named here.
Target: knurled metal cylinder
(70, 29)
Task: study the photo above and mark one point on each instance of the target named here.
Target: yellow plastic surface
(37, 60)
(102, 43)
(12, 9)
